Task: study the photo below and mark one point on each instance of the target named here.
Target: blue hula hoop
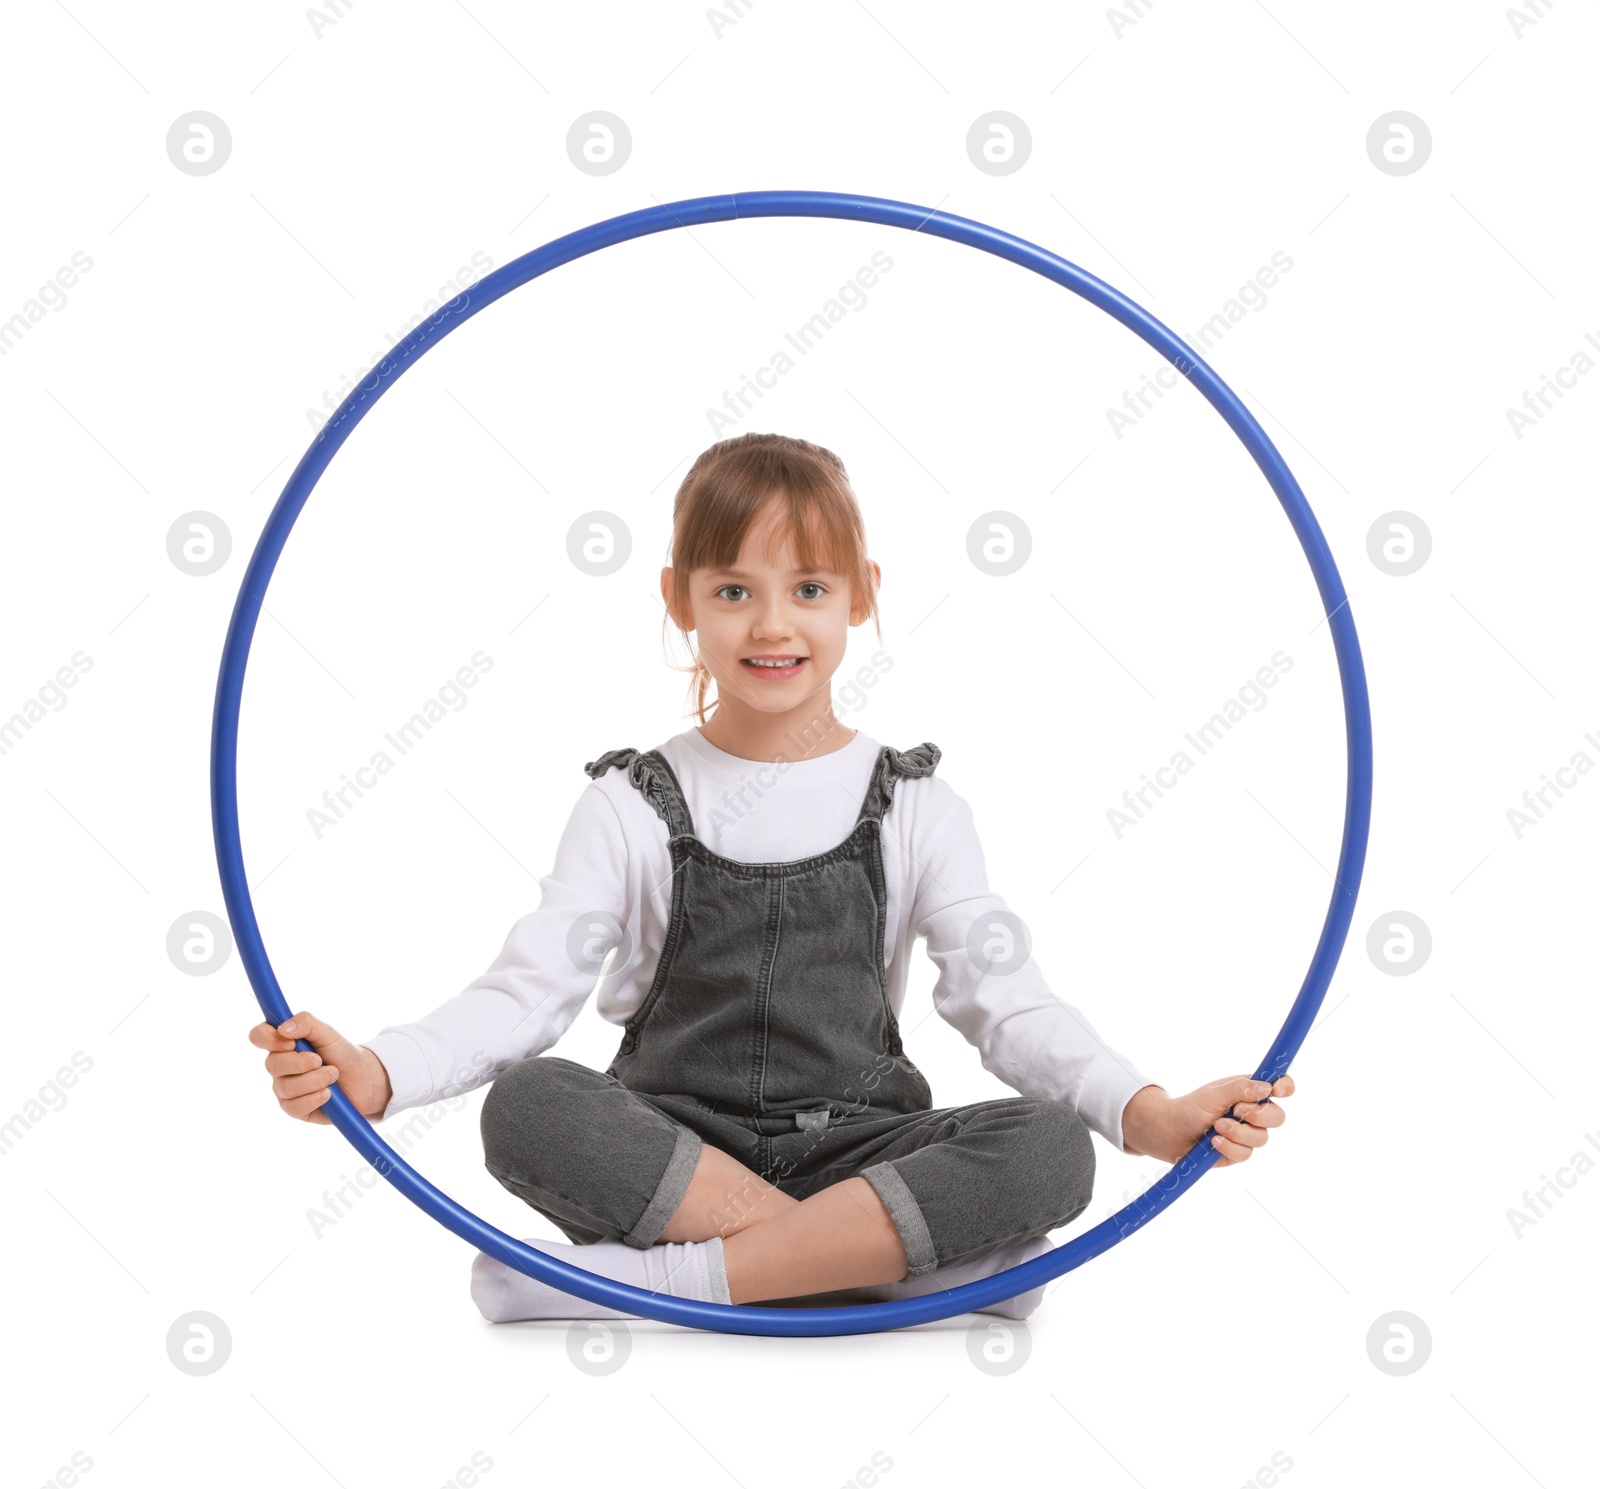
(744, 1319)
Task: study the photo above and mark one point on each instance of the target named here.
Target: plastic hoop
(745, 1319)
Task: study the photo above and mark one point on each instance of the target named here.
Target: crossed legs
(775, 1246)
(933, 1198)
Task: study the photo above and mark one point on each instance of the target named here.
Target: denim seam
(875, 871)
(763, 1010)
(664, 962)
(907, 1215)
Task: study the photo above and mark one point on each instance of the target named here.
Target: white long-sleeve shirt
(613, 860)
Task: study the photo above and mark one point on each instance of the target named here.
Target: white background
(1173, 155)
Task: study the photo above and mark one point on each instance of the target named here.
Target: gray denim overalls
(770, 997)
(767, 1032)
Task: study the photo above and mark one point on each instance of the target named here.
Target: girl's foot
(687, 1269)
(694, 1269)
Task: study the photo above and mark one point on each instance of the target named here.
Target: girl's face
(771, 633)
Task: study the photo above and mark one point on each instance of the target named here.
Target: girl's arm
(534, 989)
(1023, 1033)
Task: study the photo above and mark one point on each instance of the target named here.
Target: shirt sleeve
(1023, 1033)
(545, 972)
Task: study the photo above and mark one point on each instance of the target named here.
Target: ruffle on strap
(919, 760)
(598, 768)
(651, 777)
(891, 766)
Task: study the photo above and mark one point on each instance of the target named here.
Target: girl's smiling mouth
(770, 664)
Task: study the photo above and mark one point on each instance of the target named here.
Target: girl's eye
(722, 590)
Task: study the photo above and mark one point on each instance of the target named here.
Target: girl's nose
(773, 625)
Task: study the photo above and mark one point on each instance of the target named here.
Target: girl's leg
(841, 1236)
(840, 1247)
(723, 1198)
(775, 1246)
(604, 1164)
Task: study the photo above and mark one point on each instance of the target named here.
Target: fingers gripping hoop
(741, 1319)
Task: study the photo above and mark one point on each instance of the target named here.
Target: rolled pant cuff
(669, 1192)
(907, 1215)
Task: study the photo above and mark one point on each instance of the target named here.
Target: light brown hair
(730, 485)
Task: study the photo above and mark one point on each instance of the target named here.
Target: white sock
(680, 1269)
(984, 1265)
(941, 1278)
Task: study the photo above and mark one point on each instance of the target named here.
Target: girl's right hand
(301, 1079)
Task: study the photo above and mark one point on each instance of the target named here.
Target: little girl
(761, 1134)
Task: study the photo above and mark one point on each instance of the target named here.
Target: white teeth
(758, 662)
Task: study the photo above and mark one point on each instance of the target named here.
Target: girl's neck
(771, 737)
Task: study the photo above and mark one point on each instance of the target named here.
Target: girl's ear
(860, 607)
(666, 599)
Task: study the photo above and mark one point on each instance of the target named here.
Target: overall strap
(891, 764)
(649, 771)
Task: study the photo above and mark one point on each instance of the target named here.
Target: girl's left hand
(1166, 1127)
(1244, 1128)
